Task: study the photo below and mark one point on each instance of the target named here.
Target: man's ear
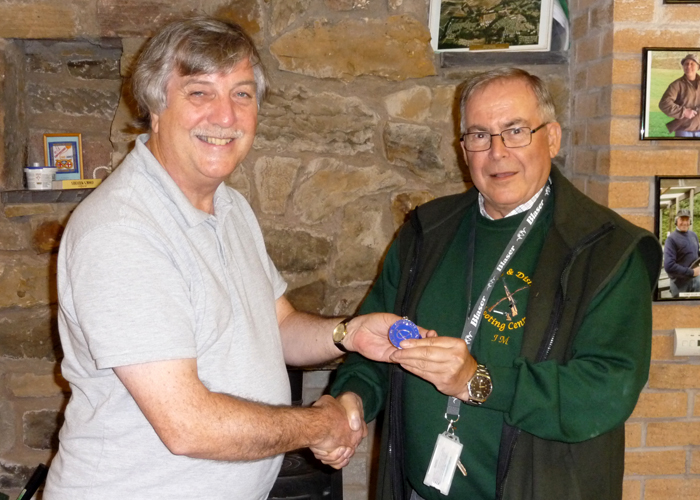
(554, 138)
(154, 122)
(464, 152)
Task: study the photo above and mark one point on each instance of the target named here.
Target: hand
(346, 429)
(339, 457)
(689, 113)
(369, 335)
(696, 271)
(445, 362)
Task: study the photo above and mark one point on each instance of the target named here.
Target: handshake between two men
(445, 362)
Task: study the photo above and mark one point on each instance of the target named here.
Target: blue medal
(401, 330)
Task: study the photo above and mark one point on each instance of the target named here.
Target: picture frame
(466, 26)
(65, 153)
(673, 194)
(661, 68)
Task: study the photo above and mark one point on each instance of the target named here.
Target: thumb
(354, 421)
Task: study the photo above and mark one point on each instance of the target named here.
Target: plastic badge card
(443, 463)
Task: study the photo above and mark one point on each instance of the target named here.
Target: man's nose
(223, 112)
(498, 147)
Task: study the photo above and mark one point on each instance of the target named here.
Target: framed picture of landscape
(501, 25)
(669, 111)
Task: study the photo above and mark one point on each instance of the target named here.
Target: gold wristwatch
(339, 333)
(479, 386)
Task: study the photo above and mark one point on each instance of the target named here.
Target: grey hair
(545, 103)
(191, 46)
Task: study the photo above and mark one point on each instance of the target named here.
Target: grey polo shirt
(144, 276)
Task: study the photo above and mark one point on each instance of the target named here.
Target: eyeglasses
(517, 137)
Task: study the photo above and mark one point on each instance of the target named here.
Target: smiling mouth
(216, 141)
(502, 175)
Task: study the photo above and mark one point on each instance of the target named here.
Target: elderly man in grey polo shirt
(172, 316)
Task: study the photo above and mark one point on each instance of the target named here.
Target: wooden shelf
(491, 58)
(44, 196)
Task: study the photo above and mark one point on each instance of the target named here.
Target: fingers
(429, 333)
(344, 429)
(369, 335)
(433, 348)
(445, 362)
(338, 458)
(355, 411)
(353, 408)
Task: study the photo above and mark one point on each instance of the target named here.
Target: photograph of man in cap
(681, 101)
(681, 255)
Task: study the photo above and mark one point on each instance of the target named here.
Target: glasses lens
(477, 141)
(517, 137)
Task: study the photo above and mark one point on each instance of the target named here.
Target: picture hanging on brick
(670, 94)
(677, 227)
(65, 153)
(500, 25)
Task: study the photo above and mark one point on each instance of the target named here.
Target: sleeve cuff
(362, 389)
(503, 379)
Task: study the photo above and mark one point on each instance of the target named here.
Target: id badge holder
(444, 462)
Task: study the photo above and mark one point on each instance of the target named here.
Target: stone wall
(359, 128)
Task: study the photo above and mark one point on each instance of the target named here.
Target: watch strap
(482, 372)
(343, 324)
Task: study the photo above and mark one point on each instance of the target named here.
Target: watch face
(339, 333)
(480, 387)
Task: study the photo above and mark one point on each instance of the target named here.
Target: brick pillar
(613, 166)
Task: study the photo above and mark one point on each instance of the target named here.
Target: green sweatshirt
(591, 394)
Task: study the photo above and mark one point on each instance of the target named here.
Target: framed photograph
(677, 227)
(501, 25)
(65, 152)
(670, 101)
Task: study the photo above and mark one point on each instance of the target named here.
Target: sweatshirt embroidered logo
(506, 313)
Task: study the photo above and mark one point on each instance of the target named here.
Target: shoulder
(578, 218)
(126, 203)
(677, 82)
(432, 225)
(582, 214)
(436, 213)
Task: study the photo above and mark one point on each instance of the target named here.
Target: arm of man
(151, 349)
(307, 339)
(193, 421)
(562, 402)
(669, 103)
(357, 374)
(671, 265)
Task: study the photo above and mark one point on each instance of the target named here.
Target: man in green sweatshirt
(541, 300)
